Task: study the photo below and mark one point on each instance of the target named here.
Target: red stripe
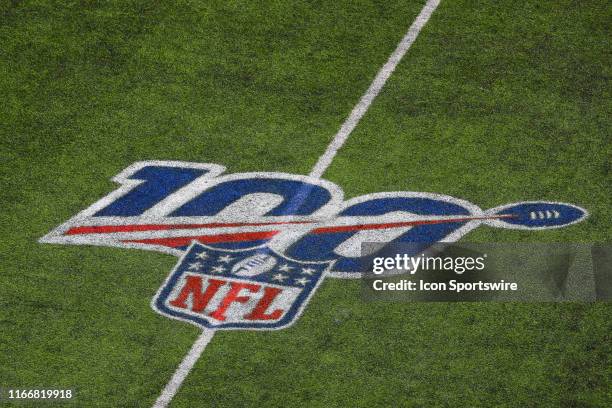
(105, 229)
(207, 239)
(344, 228)
(260, 235)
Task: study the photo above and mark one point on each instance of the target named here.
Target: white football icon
(254, 265)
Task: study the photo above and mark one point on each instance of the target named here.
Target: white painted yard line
(375, 87)
(184, 368)
(317, 171)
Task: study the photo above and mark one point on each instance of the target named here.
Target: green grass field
(496, 102)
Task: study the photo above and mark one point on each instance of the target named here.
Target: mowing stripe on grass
(319, 168)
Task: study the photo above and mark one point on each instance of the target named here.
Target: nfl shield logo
(255, 288)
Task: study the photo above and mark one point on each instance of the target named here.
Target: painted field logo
(261, 222)
(245, 289)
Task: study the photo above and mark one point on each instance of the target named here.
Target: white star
(308, 271)
(225, 258)
(285, 268)
(279, 277)
(218, 269)
(202, 255)
(302, 281)
(195, 266)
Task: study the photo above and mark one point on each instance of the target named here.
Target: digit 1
(157, 183)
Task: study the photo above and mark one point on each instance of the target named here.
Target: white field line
(184, 368)
(317, 171)
(375, 87)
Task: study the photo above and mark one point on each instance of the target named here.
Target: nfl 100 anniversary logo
(254, 247)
